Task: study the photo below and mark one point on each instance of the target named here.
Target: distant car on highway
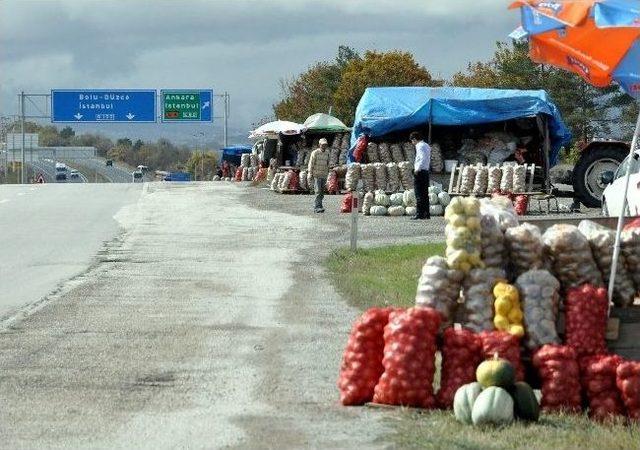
(142, 168)
(137, 176)
(614, 190)
(61, 167)
(61, 176)
(74, 174)
(108, 163)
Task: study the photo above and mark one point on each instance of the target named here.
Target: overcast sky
(243, 47)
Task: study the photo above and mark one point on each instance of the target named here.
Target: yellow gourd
(515, 315)
(508, 312)
(501, 322)
(517, 330)
(502, 305)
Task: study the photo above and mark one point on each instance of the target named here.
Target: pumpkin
(463, 401)
(396, 199)
(409, 198)
(410, 210)
(444, 198)
(396, 210)
(433, 198)
(436, 210)
(525, 403)
(494, 405)
(381, 198)
(496, 372)
(377, 210)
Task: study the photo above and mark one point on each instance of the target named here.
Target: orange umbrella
(596, 39)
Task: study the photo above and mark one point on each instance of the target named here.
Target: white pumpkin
(444, 198)
(436, 210)
(410, 210)
(409, 198)
(494, 406)
(435, 190)
(463, 401)
(396, 199)
(378, 210)
(381, 198)
(396, 211)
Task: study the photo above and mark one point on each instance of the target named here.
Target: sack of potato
(368, 172)
(439, 288)
(540, 297)
(396, 153)
(372, 153)
(570, 255)
(493, 243)
(353, 176)
(477, 309)
(381, 176)
(524, 245)
(384, 152)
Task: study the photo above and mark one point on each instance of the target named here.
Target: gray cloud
(243, 47)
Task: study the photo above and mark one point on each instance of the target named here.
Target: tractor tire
(586, 173)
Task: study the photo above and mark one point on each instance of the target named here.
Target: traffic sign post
(186, 105)
(103, 105)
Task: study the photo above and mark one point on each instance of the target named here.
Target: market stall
(510, 307)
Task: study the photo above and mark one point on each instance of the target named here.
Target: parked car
(142, 168)
(74, 174)
(137, 176)
(108, 163)
(61, 176)
(614, 190)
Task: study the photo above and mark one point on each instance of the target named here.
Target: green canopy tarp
(324, 122)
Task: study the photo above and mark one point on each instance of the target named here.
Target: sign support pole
(226, 117)
(22, 131)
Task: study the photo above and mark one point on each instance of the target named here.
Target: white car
(612, 195)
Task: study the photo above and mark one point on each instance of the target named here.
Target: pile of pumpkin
(496, 397)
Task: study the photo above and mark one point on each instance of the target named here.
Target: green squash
(463, 401)
(494, 406)
(496, 372)
(526, 405)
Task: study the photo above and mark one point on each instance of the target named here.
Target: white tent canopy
(275, 128)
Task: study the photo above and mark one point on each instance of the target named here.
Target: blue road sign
(103, 105)
(186, 105)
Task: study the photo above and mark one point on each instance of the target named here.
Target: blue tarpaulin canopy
(236, 150)
(383, 110)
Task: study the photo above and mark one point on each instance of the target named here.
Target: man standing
(421, 175)
(319, 168)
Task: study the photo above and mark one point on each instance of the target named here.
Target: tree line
(339, 84)
(159, 155)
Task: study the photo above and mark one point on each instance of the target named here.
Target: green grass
(380, 276)
(388, 276)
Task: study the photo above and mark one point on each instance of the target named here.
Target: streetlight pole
(22, 131)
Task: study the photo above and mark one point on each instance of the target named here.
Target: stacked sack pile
(478, 179)
(497, 296)
(248, 168)
(379, 203)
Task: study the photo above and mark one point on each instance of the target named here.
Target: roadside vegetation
(388, 276)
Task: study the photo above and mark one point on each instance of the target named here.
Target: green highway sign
(184, 105)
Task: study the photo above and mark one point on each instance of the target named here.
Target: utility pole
(226, 118)
(22, 131)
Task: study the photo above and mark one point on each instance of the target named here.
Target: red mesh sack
(362, 359)
(361, 147)
(586, 313)
(409, 358)
(598, 375)
(559, 372)
(628, 383)
(635, 223)
(460, 358)
(332, 183)
(260, 175)
(506, 345)
(238, 176)
(521, 204)
(294, 183)
(347, 200)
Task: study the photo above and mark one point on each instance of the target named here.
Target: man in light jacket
(319, 168)
(421, 175)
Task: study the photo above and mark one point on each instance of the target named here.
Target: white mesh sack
(481, 180)
(393, 178)
(539, 294)
(630, 244)
(493, 243)
(381, 176)
(303, 180)
(406, 174)
(495, 176)
(372, 152)
(396, 153)
(437, 160)
(354, 172)
(524, 246)
(384, 152)
(409, 152)
(439, 288)
(368, 172)
(519, 178)
(506, 182)
(367, 203)
(477, 309)
(571, 257)
(468, 179)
